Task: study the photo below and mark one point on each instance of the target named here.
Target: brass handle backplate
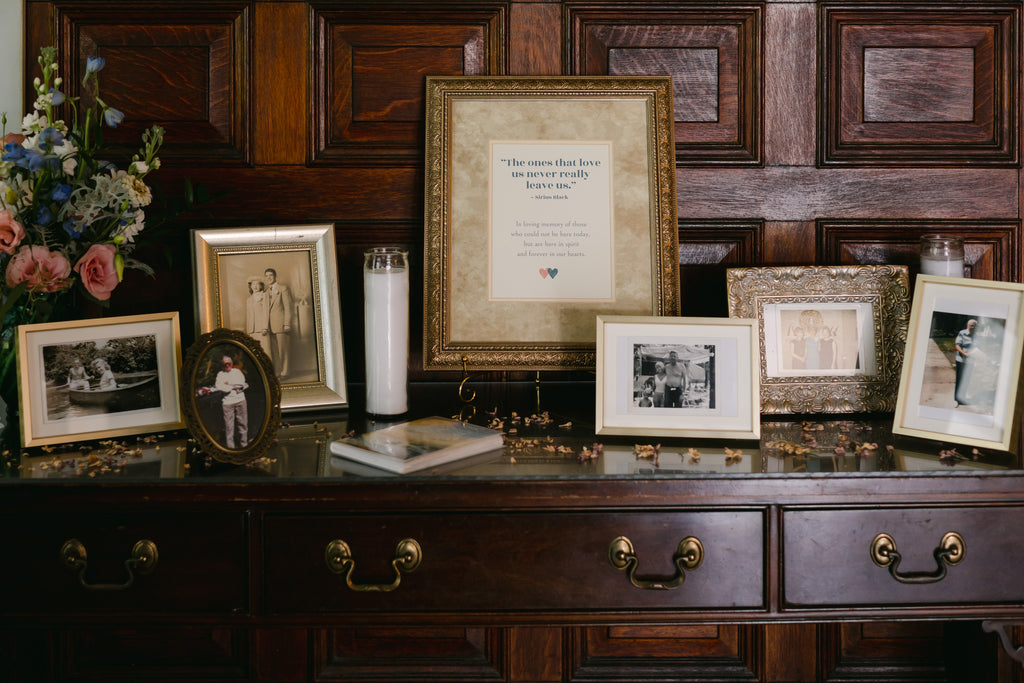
(338, 556)
(142, 560)
(950, 551)
(688, 556)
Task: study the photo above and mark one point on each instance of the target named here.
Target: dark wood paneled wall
(806, 133)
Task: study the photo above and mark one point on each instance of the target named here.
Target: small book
(418, 444)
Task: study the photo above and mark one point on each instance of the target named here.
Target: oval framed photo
(230, 396)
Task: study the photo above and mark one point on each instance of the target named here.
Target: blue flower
(94, 64)
(57, 97)
(36, 160)
(44, 216)
(13, 151)
(50, 137)
(73, 227)
(60, 192)
(112, 116)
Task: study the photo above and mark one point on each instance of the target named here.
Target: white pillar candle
(386, 312)
(951, 268)
(942, 255)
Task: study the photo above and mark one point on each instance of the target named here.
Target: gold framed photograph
(961, 378)
(99, 378)
(831, 337)
(683, 377)
(230, 396)
(279, 285)
(549, 201)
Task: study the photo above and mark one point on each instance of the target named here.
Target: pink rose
(98, 270)
(14, 137)
(44, 270)
(11, 232)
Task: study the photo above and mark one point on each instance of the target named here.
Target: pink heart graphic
(552, 272)
(543, 272)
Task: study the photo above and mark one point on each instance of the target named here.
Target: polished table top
(549, 433)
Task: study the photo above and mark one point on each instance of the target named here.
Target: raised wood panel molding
(706, 250)
(991, 248)
(919, 85)
(407, 654)
(713, 54)
(649, 653)
(194, 83)
(155, 653)
(369, 70)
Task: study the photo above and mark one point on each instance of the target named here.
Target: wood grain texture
(280, 132)
(537, 48)
(789, 85)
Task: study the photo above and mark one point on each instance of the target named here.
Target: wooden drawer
(201, 563)
(520, 561)
(827, 558)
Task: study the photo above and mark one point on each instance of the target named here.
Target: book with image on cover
(418, 444)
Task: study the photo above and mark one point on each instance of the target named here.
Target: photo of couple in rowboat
(101, 376)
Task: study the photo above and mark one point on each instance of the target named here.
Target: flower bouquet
(69, 218)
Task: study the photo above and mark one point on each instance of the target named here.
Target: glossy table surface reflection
(549, 430)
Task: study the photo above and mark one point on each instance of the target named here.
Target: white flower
(33, 123)
(69, 155)
(138, 167)
(129, 231)
(138, 191)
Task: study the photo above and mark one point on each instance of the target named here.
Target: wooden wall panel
(712, 53)
(919, 85)
(355, 117)
(706, 251)
(194, 83)
(408, 654)
(989, 247)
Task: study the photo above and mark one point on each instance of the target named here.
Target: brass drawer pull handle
(950, 551)
(142, 561)
(688, 557)
(340, 561)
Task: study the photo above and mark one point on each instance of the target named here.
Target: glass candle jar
(942, 255)
(386, 319)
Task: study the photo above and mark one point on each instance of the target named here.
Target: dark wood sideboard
(508, 566)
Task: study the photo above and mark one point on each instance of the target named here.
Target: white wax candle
(951, 268)
(387, 340)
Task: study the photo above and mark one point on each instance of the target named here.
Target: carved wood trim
(193, 83)
(712, 53)
(991, 248)
(918, 84)
(354, 119)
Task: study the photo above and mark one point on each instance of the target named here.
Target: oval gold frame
(195, 373)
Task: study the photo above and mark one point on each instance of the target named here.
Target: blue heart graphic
(552, 272)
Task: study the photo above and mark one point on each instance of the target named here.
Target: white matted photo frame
(682, 377)
(549, 200)
(99, 378)
(279, 285)
(961, 377)
(831, 337)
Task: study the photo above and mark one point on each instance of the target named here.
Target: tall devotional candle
(386, 312)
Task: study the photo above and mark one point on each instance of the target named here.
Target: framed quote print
(549, 201)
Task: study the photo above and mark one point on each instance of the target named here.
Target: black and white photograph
(669, 376)
(673, 375)
(278, 285)
(230, 395)
(961, 377)
(99, 378)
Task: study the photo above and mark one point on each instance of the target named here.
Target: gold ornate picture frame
(549, 201)
(230, 263)
(831, 338)
(230, 396)
(961, 381)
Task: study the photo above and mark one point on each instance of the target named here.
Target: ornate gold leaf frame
(854, 318)
(202, 402)
(465, 325)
